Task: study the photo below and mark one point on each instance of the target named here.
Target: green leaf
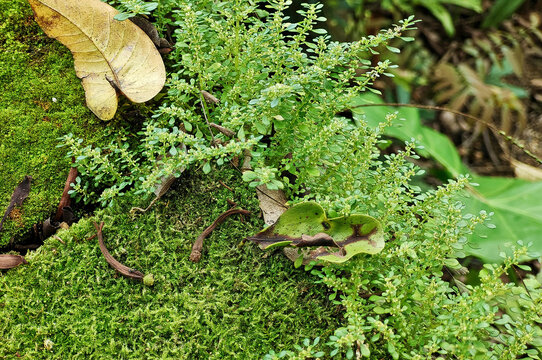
(313, 171)
(500, 10)
(517, 208)
(408, 126)
(336, 240)
(123, 16)
(475, 5)
(441, 14)
(516, 203)
(298, 262)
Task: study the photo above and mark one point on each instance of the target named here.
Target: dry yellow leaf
(526, 172)
(109, 55)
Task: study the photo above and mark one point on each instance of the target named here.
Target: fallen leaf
(121, 268)
(526, 172)
(19, 195)
(337, 239)
(272, 203)
(195, 254)
(8, 261)
(109, 55)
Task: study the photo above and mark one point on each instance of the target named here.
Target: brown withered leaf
(195, 254)
(115, 264)
(19, 195)
(8, 261)
(109, 55)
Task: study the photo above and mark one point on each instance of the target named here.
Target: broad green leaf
(408, 126)
(517, 208)
(475, 5)
(441, 14)
(516, 203)
(441, 148)
(337, 240)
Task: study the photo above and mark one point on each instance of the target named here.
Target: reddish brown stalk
(65, 200)
(195, 255)
(226, 186)
(223, 130)
(122, 269)
(8, 261)
(210, 98)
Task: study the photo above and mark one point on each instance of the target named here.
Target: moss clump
(41, 100)
(236, 303)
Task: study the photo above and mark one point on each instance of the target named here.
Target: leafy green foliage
(121, 168)
(268, 83)
(282, 87)
(514, 204)
(516, 217)
(131, 8)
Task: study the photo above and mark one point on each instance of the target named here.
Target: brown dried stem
(223, 130)
(122, 269)
(65, 200)
(195, 255)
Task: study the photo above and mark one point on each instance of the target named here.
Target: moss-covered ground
(41, 99)
(236, 303)
(67, 303)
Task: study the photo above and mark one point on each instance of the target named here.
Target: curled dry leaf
(121, 268)
(195, 254)
(526, 172)
(336, 240)
(8, 261)
(19, 195)
(109, 55)
(272, 203)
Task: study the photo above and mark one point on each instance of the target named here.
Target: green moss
(235, 303)
(68, 303)
(41, 100)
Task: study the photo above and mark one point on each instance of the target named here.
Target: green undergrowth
(41, 100)
(235, 303)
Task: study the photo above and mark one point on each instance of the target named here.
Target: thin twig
(121, 268)
(204, 110)
(59, 239)
(223, 130)
(134, 209)
(65, 200)
(226, 186)
(195, 255)
(210, 98)
(494, 158)
(521, 279)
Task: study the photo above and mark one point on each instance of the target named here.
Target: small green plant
(131, 8)
(273, 79)
(281, 91)
(357, 15)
